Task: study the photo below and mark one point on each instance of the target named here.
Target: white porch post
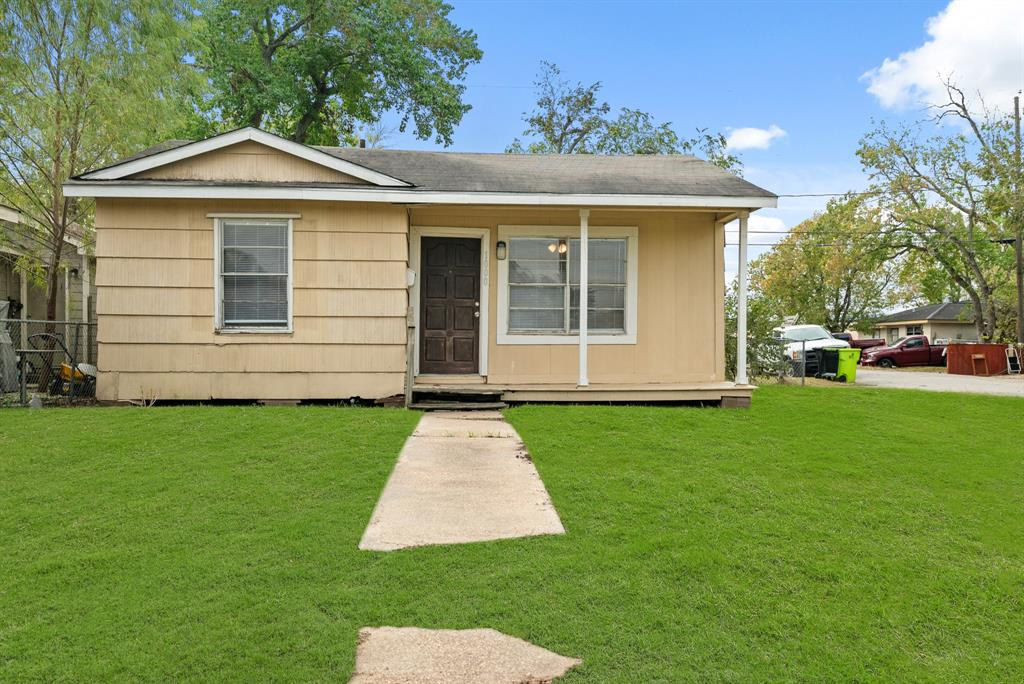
(67, 305)
(584, 274)
(86, 280)
(23, 281)
(741, 307)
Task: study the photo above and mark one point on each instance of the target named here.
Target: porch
(474, 391)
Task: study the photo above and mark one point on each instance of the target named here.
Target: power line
(829, 194)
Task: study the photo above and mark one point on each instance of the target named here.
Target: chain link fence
(47, 362)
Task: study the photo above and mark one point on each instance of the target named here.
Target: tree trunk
(53, 283)
(310, 116)
(990, 319)
(979, 318)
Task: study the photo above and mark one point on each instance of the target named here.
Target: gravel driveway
(1011, 386)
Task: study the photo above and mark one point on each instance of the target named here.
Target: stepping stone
(407, 655)
(460, 479)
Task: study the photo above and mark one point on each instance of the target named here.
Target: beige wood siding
(681, 290)
(248, 161)
(155, 302)
(953, 331)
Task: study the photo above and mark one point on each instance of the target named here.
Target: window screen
(544, 293)
(254, 273)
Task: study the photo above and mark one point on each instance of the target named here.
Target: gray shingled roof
(950, 311)
(539, 173)
(553, 173)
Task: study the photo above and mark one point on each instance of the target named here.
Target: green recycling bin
(847, 370)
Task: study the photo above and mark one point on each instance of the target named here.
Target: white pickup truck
(797, 338)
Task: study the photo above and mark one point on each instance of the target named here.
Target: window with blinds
(543, 281)
(254, 273)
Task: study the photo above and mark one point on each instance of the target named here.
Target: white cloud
(978, 44)
(753, 138)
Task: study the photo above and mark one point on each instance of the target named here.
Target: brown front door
(449, 305)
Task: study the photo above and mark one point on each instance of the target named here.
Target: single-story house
(247, 266)
(951, 320)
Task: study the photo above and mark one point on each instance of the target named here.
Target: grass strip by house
(826, 534)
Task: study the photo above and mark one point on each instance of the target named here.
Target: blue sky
(798, 66)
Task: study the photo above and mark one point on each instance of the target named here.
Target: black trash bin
(828, 362)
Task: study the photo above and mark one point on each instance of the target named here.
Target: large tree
(832, 269)
(952, 197)
(311, 70)
(83, 82)
(570, 118)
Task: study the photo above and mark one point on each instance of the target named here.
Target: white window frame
(218, 277)
(629, 233)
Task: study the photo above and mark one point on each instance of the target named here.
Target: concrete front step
(457, 405)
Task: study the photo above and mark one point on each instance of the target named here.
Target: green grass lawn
(822, 535)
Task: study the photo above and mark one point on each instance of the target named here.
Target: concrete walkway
(407, 655)
(1001, 385)
(461, 477)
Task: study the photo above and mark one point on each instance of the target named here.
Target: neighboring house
(76, 289)
(247, 266)
(953, 320)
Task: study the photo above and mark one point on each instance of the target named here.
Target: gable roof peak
(175, 153)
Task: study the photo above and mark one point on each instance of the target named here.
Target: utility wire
(829, 194)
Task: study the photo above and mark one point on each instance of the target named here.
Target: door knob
(476, 314)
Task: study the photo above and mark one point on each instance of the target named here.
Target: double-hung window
(254, 278)
(542, 288)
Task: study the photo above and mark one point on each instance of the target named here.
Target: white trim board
(170, 190)
(484, 234)
(217, 142)
(9, 215)
(631, 233)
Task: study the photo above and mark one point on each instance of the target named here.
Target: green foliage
(83, 83)
(567, 118)
(570, 119)
(833, 269)
(311, 70)
(950, 198)
(765, 357)
(220, 543)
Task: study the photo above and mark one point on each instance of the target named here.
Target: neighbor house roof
(422, 176)
(950, 311)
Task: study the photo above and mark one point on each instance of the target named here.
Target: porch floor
(597, 392)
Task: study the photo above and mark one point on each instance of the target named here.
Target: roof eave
(172, 190)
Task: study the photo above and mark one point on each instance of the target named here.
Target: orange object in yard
(976, 359)
(65, 373)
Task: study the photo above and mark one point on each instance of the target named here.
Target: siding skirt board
(729, 394)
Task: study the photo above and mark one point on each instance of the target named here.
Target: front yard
(823, 535)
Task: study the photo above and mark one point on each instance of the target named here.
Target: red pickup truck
(862, 343)
(914, 350)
